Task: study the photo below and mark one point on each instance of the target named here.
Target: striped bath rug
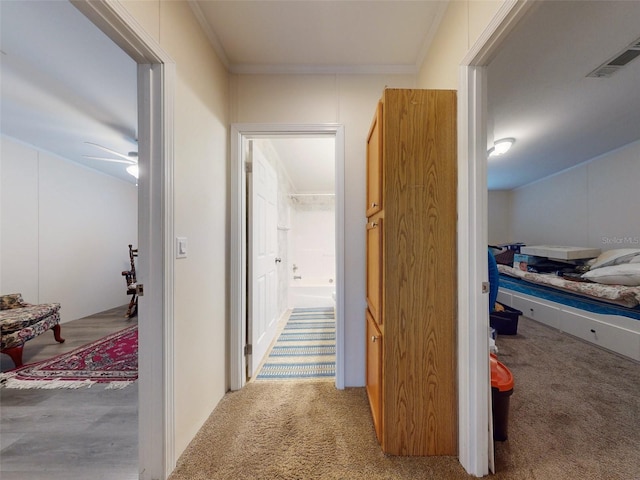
(305, 349)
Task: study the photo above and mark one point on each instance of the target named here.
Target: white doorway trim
(475, 446)
(156, 77)
(238, 300)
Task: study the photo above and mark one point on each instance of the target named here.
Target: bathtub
(311, 292)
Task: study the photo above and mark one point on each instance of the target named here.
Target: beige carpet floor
(575, 410)
(574, 414)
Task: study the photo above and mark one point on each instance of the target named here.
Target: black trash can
(501, 391)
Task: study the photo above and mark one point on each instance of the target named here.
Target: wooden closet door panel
(419, 298)
(374, 164)
(374, 373)
(416, 410)
(375, 268)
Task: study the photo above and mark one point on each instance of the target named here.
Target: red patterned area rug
(112, 360)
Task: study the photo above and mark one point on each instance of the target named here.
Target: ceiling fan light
(500, 147)
(133, 170)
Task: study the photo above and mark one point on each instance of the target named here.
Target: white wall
(344, 99)
(65, 231)
(201, 212)
(592, 205)
(313, 243)
(499, 217)
(462, 24)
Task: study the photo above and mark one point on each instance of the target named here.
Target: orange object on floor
(501, 377)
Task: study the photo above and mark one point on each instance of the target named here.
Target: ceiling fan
(131, 158)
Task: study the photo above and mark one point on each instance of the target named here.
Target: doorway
(291, 257)
(474, 405)
(154, 72)
(241, 134)
(155, 269)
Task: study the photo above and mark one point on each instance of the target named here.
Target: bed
(614, 299)
(606, 314)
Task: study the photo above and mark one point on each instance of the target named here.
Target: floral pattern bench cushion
(19, 337)
(11, 301)
(20, 321)
(19, 318)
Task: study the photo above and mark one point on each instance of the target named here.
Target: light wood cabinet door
(374, 373)
(374, 164)
(374, 268)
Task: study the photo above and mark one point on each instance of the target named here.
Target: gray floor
(87, 433)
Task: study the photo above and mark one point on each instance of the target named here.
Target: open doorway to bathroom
(292, 330)
(309, 220)
(308, 163)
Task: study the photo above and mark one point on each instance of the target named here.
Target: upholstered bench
(20, 322)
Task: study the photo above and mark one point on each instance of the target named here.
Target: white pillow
(615, 257)
(625, 274)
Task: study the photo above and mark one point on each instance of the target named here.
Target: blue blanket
(565, 298)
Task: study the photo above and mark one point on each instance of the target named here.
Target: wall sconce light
(500, 147)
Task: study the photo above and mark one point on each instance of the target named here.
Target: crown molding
(291, 69)
(208, 31)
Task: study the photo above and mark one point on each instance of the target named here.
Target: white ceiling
(326, 36)
(539, 93)
(69, 84)
(309, 162)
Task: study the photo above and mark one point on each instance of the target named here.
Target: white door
(262, 246)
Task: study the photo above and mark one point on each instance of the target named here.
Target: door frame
(156, 85)
(474, 400)
(238, 243)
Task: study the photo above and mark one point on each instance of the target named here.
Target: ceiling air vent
(618, 61)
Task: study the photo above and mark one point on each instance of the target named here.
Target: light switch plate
(181, 247)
